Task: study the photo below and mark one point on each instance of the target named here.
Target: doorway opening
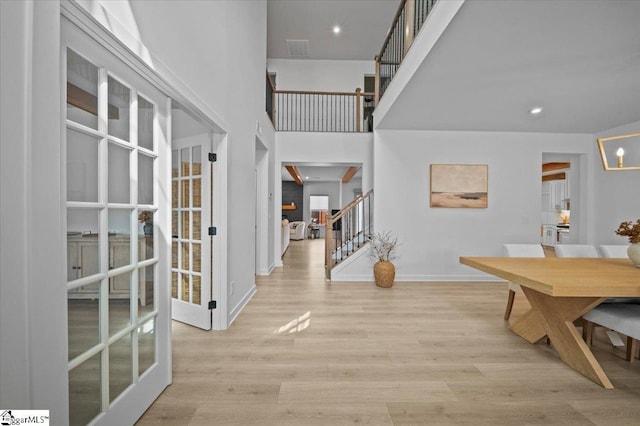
(195, 182)
(562, 217)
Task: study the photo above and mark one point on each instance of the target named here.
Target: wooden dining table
(561, 290)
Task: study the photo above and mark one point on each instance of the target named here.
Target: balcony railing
(406, 24)
(305, 111)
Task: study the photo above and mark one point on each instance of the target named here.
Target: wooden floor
(309, 352)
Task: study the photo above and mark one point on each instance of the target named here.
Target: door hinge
(212, 304)
(213, 157)
(213, 230)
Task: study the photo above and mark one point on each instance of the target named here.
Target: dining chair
(623, 318)
(605, 315)
(614, 251)
(617, 252)
(519, 250)
(576, 250)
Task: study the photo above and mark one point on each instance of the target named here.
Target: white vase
(634, 254)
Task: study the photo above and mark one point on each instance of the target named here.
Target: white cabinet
(82, 261)
(561, 194)
(547, 197)
(119, 255)
(563, 236)
(553, 195)
(549, 235)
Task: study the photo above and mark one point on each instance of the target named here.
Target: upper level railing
(406, 24)
(347, 230)
(305, 111)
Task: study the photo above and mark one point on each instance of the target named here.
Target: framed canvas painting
(459, 186)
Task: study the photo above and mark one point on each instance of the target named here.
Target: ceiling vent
(298, 48)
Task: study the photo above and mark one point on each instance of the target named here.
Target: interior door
(191, 245)
(117, 170)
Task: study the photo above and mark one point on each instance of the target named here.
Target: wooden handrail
(308, 92)
(349, 206)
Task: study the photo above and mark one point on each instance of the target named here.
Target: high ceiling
(363, 23)
(579, 60)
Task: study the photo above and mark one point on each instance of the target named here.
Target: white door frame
(262, 208)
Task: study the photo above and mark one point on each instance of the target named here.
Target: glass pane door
(114, 125)
(191, 215)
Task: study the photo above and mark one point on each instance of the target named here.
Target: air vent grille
(298, 48)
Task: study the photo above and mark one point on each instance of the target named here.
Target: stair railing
(347, 230)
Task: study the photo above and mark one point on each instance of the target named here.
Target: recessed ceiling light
(535, 110)
(306, 177)
(336, 29)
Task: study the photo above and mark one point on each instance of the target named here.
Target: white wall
(433, 238)
(348, 189)
(617, 192)
(320, 75)
(33, 328)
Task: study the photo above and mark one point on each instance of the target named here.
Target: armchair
(297, 230)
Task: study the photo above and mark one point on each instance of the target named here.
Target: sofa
(297, 230)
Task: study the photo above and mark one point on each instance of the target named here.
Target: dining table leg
(554, 316)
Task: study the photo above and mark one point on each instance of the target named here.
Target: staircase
(347, 231)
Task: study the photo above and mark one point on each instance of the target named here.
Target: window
(319, 205)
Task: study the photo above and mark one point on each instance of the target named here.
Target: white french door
(116, 158)
(191, 245)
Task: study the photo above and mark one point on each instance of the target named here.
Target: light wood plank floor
(309, 352)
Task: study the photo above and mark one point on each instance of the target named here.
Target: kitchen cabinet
(82, 261)
(549, 235)
(563, 236)
(553, 195)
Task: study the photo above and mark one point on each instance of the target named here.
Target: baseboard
(353, 278)
(449, 278)
(265, 271)
(430, 278)
(240, 306)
